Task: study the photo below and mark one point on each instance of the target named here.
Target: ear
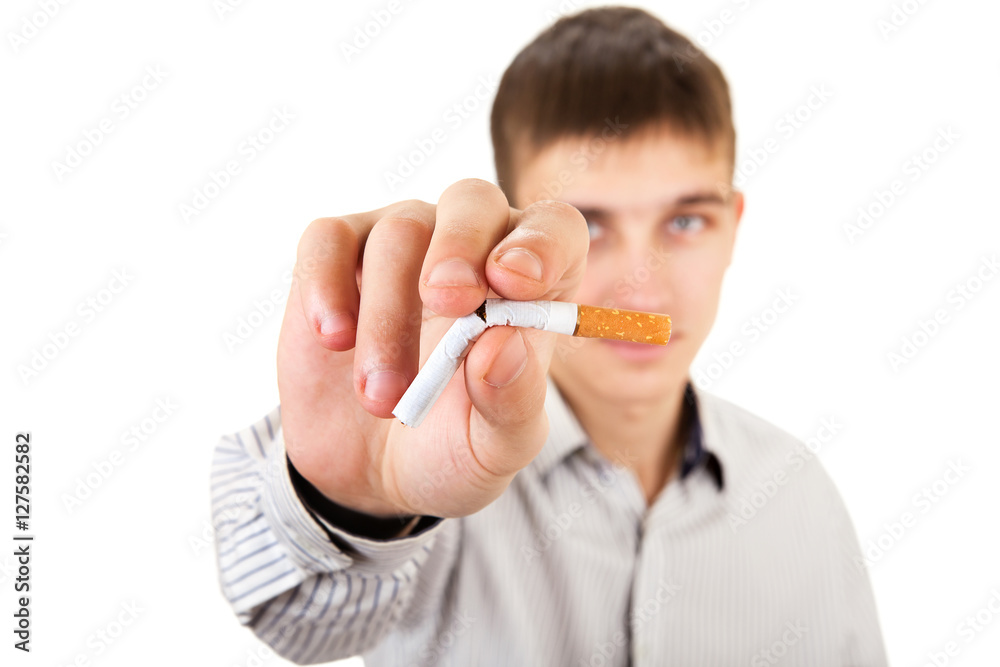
(738, 203)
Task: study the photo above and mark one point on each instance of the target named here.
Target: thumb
(505, 380)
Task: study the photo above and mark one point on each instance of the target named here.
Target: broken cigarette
(560, 317)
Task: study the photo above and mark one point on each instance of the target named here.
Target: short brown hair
(593, 66)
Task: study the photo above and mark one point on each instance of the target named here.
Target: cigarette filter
(569, 319)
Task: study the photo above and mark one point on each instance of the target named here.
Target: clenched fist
(371, 296)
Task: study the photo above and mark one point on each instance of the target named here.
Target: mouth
(639, 352)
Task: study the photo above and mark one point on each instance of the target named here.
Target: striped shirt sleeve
(281, 573)
(863, 641)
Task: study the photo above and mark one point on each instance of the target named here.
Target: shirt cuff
(352, 521)
(301, 528)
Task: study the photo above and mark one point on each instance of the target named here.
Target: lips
(636, 352)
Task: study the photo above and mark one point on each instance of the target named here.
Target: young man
(567, 501)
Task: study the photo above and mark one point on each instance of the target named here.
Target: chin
(638, 385)
(618, 374)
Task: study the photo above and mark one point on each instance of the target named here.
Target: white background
(143, 537)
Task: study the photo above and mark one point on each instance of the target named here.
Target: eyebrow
(707, 197)
(704, 197)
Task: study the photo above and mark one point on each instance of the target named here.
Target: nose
(644, 285)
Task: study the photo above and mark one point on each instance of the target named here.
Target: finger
(544, 256)
(472, 217)
(388, 338)
(505, 380)
(325, 265)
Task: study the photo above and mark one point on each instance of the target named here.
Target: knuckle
(477, 184)
(323, 226)
(319, 244)
(412, 205)
(484, 192)
(559, 208)
(399, 230)
(323, 233)
(465, 233)
(337, 232)
(404, 216)
(415, 209)
(569, 221)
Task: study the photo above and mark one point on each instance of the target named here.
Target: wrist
(364, 524)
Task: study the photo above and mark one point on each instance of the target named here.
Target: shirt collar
(723, 433)
(566, 435)
(696, 453)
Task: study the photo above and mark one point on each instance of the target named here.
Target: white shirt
(567, 567)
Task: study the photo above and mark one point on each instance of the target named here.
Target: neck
(646, 437)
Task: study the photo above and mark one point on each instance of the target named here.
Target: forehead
(619, 172)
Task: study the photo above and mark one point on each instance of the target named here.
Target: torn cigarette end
(617, 324)
(556, 316)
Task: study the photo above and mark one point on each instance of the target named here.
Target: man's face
(663, 224)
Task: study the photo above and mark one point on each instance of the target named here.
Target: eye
(595, 229)
(687, 224)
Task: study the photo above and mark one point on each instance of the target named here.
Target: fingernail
(508, 363)
(385, 386)
(521, 261)
(453, 273)
(332, 324)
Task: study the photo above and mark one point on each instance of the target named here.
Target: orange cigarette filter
(617, 324)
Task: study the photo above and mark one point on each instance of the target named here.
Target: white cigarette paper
(556, 316)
